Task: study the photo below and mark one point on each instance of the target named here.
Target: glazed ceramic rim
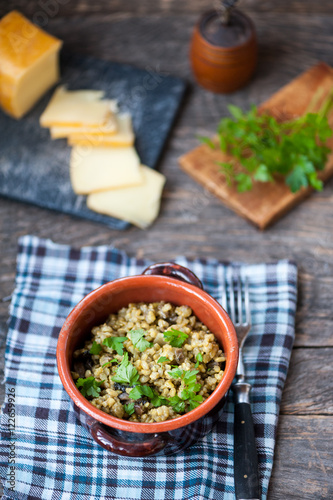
(137, 427)
(217, 48)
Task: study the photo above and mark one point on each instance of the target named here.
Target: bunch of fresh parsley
(263, 148)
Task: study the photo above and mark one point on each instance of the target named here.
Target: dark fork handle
(245, 451)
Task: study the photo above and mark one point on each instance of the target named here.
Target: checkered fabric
(47, 455)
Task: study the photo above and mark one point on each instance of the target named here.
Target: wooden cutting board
(266, 202)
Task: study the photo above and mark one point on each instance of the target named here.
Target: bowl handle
(125, 448)
(174, 271)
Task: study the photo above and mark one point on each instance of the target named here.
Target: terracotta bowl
(168, 282)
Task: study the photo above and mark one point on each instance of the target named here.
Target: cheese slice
(137, 204)
(29, 63)
(76, 108)
(123, 137)
(109, 128)
(96, 169)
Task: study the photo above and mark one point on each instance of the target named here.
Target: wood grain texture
(193, 222)
(147, 7)
(302, 397)
(303, 459)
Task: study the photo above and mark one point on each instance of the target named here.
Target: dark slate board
(35, 169)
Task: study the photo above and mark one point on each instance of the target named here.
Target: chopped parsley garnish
(195, 401)
(158, 400)
(175, 338)
(129, 408)
(187, 399)
(163, 359)
(115, 343)
(95, 348)
(126, 373)
(114, 360)
(177, 404)
(141, 390)
(138, 340)
(89, 386)
(176, 373)
(144, 390)
(199, 359)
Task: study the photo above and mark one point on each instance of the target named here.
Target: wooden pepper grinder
(224, 48)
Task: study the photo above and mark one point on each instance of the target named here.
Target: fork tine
(247, 302)
(239, 301)
(232, 298)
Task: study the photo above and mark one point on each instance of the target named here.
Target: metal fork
(245, 452)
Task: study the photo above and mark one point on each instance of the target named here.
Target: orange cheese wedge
(29, 63)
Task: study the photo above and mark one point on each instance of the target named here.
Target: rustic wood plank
(303, 459)
(308, 389)
(144, 7)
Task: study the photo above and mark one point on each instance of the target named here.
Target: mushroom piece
(83, 363)
(138, 408)
(124, 397)
(122, 387)
(179, 356)
(211, 364)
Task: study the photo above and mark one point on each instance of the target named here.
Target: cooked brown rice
(154, 318)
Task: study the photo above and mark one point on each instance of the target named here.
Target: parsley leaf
(187, 399)
(138, 340)
(177, 404)
(95, 348)
(144, 390)
(176, 338)
(163, 359)
(141, 390)
(199, 359)
(115, 343)
(190, 376)
(195, 402)
(126, 373)
(129, 408)
(89, 386)
(158, 400)
(176, 373)
(114, 360)
(207, 141)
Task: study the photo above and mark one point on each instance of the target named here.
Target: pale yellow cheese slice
(137, 204)
(95, 169)
(123, 137)
(76, 108)
(29, 63)
(109, 128)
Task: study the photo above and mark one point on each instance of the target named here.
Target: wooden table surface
(293, 35)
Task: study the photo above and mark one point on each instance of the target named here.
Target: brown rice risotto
(149, 363)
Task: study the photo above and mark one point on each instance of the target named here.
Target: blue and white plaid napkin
(45, 453)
